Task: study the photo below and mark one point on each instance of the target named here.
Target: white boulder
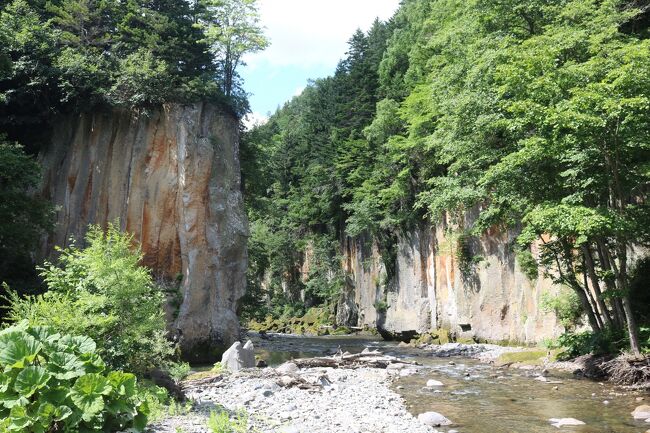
(238, 356)
(641, 412)
(561, 422)
(433, 419)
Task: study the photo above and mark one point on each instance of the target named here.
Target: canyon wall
(172, 178)
(489, 298)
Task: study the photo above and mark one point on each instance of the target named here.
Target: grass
(220, 422)
(530, 357)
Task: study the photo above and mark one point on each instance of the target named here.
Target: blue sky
(308, 37)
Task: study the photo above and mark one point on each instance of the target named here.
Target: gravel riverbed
(326, 401)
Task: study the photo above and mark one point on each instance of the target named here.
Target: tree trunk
(632, 329)
(603, 256)
(621, 249)
(591, 271)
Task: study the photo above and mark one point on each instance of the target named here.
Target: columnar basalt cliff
(172, 178)
(490, 299)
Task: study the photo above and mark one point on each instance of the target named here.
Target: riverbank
(311, 400)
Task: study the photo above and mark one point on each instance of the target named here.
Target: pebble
(432, 382)
(366, 404)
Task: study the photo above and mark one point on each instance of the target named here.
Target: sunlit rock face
(490, 298)
(171, 176)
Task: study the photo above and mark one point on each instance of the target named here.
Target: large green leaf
(93, 363)
(19, 419)
(44, 334)
(12, 400)
(124, 384)
(79, 344)
(45, 413)
(18, 348)
(61, 413)
(65, 366)
(55, 395)
(30, 380)
(87, 394)
(5, 382)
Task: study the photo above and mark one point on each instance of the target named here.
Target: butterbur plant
(57, 383)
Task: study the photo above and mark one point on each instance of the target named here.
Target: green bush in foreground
(103, 292)
(53, 382)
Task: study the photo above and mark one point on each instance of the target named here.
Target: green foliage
(566, 307)
(23, 217)
(70, 55)
(218, 368)
(179, 370)
(143, 80)
(381, 306)
(231, 29)
(220, 422)
(575, 344)
(532, 116)
(528, 263)
(57, 382)
(92, 290)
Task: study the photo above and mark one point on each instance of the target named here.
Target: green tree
(231, 29)
(24, 217)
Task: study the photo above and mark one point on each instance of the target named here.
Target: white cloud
(254, 119)
(314, 32)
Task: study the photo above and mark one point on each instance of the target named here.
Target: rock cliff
(488, 298)
(172, 178)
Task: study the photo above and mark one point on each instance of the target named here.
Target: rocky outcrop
(488, 297)
(172, 179)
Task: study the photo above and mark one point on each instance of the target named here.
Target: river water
(480, 398)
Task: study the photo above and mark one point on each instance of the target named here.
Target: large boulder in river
(238, 356)
(433, 419)
(641, 412)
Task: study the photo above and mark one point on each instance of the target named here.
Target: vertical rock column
(172, 179)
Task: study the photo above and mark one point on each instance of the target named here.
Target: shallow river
(480, 398)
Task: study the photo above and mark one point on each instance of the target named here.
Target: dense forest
(536, 114)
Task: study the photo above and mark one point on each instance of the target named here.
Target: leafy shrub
(576, 344)
(179, 370)
(566, 307)
(103, 292)
(220, 422)
(53, 382)
(381, 306)
(528, 264)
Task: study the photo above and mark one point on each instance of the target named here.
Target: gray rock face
(172, 178)
(238, 356)
(492, 299)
